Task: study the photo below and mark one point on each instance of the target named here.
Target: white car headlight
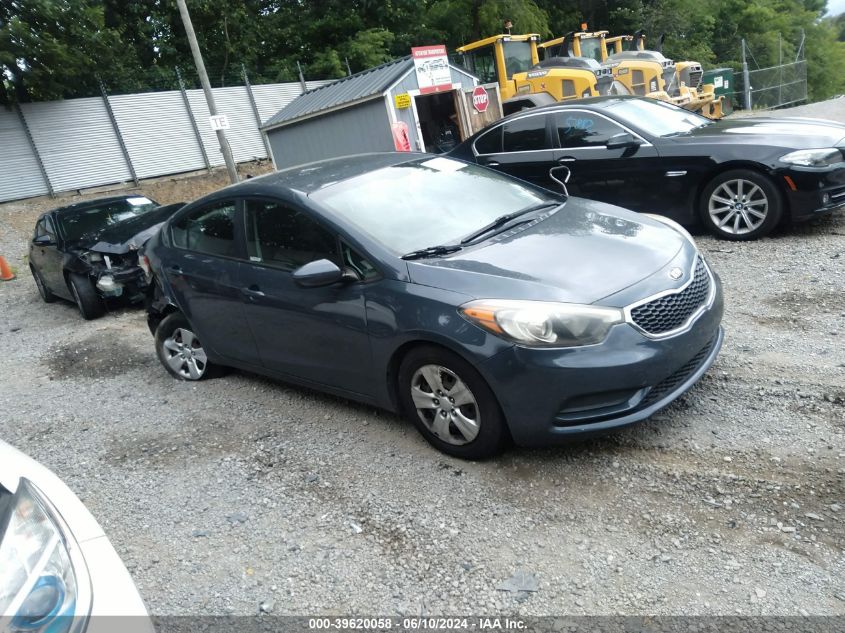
(541, 323)
(673, 224)
(813, 157)
(41, 589)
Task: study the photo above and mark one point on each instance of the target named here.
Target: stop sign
(480, 99)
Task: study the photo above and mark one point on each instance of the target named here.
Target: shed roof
(358, 87)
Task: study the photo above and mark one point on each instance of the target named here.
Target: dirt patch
(102, 355)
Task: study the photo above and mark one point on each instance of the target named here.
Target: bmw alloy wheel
(445, 404)
(738, 207)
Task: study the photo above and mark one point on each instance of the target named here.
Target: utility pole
(206, 88)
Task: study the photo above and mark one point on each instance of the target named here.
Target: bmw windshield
(429, 202)
(656, 118)
(78, 223)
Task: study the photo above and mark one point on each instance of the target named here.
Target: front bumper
(115, 603)
(129, 283)
(813, 192)
(550, 396)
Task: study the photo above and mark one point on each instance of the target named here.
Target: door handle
(252, 291)
(492, 163)
(177, 270)
(566, 159)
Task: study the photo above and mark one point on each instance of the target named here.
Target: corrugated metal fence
(58, 146)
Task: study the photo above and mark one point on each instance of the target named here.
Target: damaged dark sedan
(87, 252)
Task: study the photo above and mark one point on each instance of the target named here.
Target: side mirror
(43, 240)
(625, 139)
(318, 273)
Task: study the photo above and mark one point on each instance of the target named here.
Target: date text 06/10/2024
(416, 624)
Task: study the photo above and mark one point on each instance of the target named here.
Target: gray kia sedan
(483, 308)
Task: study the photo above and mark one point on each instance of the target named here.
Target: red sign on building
(432, 66)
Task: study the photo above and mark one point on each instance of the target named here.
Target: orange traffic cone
(6, 273)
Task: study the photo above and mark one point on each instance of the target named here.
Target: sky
(835, 7)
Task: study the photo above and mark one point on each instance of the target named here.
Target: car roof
(310, 177)
(90, 204)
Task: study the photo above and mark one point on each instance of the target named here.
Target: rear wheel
(180, 351)
(90, 304)
(46, 294)
(451, 404)
(741, 205)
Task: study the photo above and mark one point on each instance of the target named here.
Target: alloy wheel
(738, 207)
(445, 404)
(185, 355)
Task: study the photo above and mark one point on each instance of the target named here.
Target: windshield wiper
(433, 251)
(504, 219)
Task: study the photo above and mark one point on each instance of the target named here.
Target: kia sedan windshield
(655, 118)
(428, 202)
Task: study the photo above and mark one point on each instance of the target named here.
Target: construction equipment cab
(635, 71)
(524, 81)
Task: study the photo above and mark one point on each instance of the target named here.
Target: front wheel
(451, 404)
(741, 205)
(180, 351)
(90, 304)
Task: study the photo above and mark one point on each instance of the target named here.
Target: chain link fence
(775, 86)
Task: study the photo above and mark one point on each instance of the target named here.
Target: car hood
(778, 131)
(584, 252)
(131, 234)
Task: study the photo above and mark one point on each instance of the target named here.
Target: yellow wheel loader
(643, 73)
(524, 81)
(686, 82)
(637, 70)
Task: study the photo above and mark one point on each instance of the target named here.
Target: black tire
(739, 220)
(90, 304)
(46, 294)
(177, 348)
(491, 430)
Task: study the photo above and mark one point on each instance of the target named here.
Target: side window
(351, 259)
(583, 129)
(45, 227)
(209, 230)
(490, 143)
(280, 236)
(482, 63)
(528, 133)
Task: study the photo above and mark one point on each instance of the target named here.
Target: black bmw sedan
(482, 307)
(88, 252)
(740, 177)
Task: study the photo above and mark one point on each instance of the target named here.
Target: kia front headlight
(543, 324)
(44, 585)
(813, 157)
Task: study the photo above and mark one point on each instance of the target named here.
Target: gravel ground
(239, 492)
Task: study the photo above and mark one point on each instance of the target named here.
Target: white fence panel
(209, 138)
(270, 98)
(79, 148)
(76, 142)
(243, 135)
(20, 175)
(157, 131)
